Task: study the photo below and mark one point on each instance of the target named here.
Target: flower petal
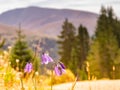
(57, 71)
(46, 59)
(62, 65)
(28, 67)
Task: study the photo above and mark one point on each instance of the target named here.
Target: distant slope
(6, 30)
(9, 32)
(47, 22)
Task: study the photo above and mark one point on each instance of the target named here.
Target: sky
(86, 5)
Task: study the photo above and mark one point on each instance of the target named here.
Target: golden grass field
(80, 85)
(11, 80)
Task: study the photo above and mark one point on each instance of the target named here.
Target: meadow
(11, 79)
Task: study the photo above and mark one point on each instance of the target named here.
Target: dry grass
(41, 83)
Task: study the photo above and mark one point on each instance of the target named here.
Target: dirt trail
(91, 85)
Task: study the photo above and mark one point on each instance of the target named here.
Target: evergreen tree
(114, 23)
(103, 55)
(20, 52)
(73, 64)
(66, 42)
(82, 45)
(116, 28)
(116, 67)
(94, 60)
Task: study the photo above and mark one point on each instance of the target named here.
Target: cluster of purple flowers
(59, 67)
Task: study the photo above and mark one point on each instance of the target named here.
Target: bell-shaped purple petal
(28, 68)
(46, 59)
(62, 65)
(59, 69)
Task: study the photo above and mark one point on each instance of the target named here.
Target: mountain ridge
(46, 21)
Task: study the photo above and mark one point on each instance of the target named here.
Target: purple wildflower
(59, 69)
(28, 67)
(46, 58)
(62, 65)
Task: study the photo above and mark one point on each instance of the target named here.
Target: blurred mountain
(44, 21)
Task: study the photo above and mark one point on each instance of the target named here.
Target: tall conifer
(82, 45)
(66, 42)
(107, 45)
(20, 52)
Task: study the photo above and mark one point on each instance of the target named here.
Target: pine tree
(94, 60)
(114, 23)
(20, 52)
(116, 28)
(82, 45)
(103, 55)
(66, 42)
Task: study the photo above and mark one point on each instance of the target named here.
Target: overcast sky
(87, 5)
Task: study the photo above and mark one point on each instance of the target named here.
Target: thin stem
(22, 87)
(74, 83)
(35, 55)
(51, 79)
(35, 84)
(36, 50)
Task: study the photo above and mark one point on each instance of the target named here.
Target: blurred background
(82, 34)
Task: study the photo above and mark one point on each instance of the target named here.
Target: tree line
(97, 56)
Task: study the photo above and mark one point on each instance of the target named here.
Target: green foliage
(82, 45)
(104, 48)
(94, 60)
(21, 52)
(116, 29)
(116, 72)
(66, 42)
(36, 64)
(74, 61)
(73, 48)
(83, 75)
